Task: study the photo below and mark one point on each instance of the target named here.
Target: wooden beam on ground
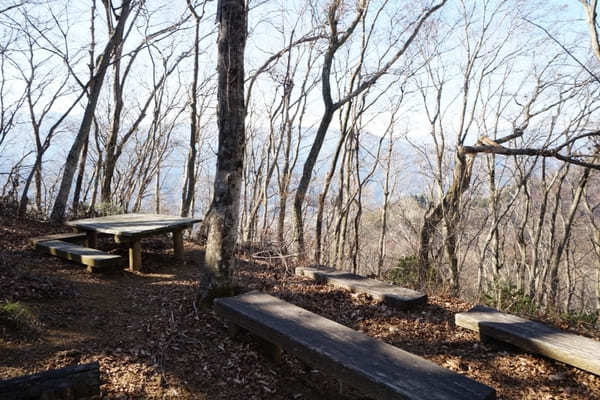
(91, 257)
(389, 294)
(535, 337)
(71, 237)
(376, 368)
(74, 382)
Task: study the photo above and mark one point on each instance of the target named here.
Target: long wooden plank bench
(389, 294)
(93, 258)
(71, 237)
(74, 382)
(535, 337)
(372, 366)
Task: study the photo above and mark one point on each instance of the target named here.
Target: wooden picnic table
(131, 228)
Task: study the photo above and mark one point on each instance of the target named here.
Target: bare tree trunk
(189, 184)
(157, 192)
(461, 181)
(60, 205)
(80, 174)
(38, 187)
(554, 277)
(223, 216)
(97, 170)
(336, 40)
(384, 209)
(323, 195)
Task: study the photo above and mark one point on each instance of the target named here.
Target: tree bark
(223, 215)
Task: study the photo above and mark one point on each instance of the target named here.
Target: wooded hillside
(447, 145)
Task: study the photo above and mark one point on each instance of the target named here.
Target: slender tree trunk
(323, 195)
(384, 209)
(38, 187)
(157, 192)
(110, 153)
(302, 189)
(32, 174)
(80, 174)
(96, 183)
(223, 216)
(554, 276)
(60, 204)
(189, 184)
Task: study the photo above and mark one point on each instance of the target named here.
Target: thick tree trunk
(60, 205)
(223, 216)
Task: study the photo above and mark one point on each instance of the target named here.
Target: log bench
(535, 337)
(387, 293)
(94, 259)
(376, 368)
(74, 382)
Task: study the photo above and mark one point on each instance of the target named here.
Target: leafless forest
(450, 144)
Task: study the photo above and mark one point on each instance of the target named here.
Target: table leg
(92, 239)
(135, 255)
(178, 244)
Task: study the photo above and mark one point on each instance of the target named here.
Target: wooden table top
(133, 225)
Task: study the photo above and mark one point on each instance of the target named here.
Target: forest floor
(153, 341)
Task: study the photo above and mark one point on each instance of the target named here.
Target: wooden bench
(93, 258)
(535, 337)
(389, 294)
(71, 237)
(376, 368)
(74, 382)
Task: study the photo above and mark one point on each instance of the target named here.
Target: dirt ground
(154, 342)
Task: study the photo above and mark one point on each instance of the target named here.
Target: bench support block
(135, 255)
(178, 244)
(92, 239)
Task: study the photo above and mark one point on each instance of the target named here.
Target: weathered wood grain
(84, 255)
(135, 255)
(535, 337)
(377, 368)
(134, 225)
(66, 237)
(389, 294)
(74, 382)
